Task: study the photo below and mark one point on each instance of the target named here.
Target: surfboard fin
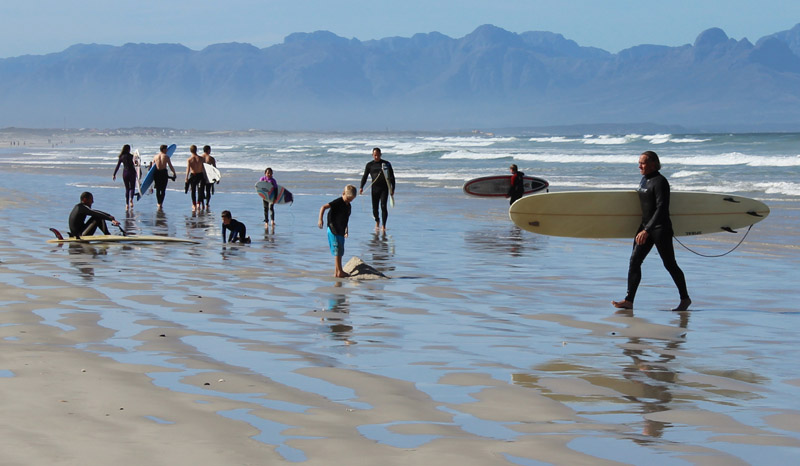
(729, 230)
(754, 213)
(57, 233)
(730, 199)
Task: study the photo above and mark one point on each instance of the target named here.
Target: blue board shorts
(336, 242)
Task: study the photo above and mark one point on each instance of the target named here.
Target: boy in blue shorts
(338, 215)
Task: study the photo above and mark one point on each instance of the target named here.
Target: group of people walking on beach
(654, 196)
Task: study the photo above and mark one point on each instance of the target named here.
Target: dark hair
(193, 149)
(226, 213)
(269, 169)
(376, 149)
(513, 167)
(163, 148)
(126, 149)
(207, 149)
(653, 157)
(86, 195)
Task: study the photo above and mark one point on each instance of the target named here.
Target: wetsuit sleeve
(513, 184)
(224, 227)
(661, 198)
(119, 162)
(366, 174)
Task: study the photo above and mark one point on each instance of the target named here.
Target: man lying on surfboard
(79, 225)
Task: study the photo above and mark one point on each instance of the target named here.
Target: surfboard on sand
(122, 239)
(266, 190)
(497, 186)
(148, 179)
(212, 174)
(618, 214)
(137, 163)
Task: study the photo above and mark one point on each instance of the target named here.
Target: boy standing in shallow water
(338, 217)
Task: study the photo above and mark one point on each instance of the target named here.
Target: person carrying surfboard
(79, 225)
(161, 176)
(655, 230)
(208, 188)
(269, 204)
(383, 185)
(517, 188)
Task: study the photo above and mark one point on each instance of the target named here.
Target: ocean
(501, 337)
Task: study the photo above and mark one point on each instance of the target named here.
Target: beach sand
(486, 344)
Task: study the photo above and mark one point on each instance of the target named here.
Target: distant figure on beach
(161, 176)
(80, 225)
(517, 189)
(128, 174)
(269, 205)
(382, 183)
(656, 229)
(194, 177)
(208, 188)
(238, 231)
(338, 216)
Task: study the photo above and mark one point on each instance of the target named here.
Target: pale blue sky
(46, 26)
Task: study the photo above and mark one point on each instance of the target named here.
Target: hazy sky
(47, 26)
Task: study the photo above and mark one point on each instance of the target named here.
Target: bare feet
(342, 275)
(684, 305)
(624, 304)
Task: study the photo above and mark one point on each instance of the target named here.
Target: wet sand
(487, 345)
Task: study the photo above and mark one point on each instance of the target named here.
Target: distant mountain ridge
(489, 78)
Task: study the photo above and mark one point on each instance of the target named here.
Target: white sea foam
(686, 174)
(557, 139)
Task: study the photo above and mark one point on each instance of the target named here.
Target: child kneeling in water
(338, 217)
(237, 228)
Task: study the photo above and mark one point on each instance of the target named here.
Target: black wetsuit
(380, 189)
(128, 175)
(160, 180)
(195, 184)
(654, 198)
(238, 232)
(80, 226)
(517, 188)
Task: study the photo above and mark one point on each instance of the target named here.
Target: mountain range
(490, 78)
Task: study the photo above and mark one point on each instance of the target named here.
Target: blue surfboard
(148, 179)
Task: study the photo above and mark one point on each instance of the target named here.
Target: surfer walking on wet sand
(655, 230)
(194, 176)
(382, 183)
(129, 168)
(161, 176)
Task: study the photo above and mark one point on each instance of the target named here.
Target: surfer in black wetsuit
(655, 230)
(238, 231)
(128, 174)
(382, 186)
(79, 225)
(517, 188)
(161, 176)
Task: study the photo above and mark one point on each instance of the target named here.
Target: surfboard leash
(717, 255)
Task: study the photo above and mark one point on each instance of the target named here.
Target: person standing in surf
(194, 175)
(128, 174)
(161, 176)
(269, 205)
(655, 230)
(79, 225)
(208, 188)
(382, 183)
(517, 188)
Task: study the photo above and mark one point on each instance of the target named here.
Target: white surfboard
(618, 214)
(212, 174)
(497, 186)
(122, 239)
